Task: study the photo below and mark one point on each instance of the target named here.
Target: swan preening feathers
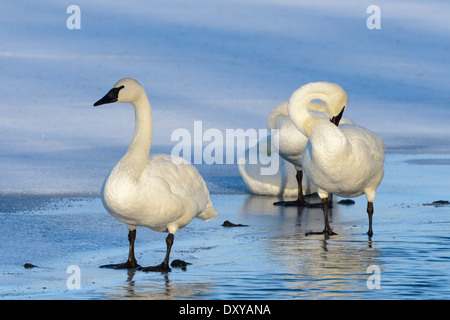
(345, 160)
(335, 155)
(288, 144)
(161, 192)
(291, 141)
(164, 193)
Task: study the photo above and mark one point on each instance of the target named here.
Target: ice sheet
(226, 64)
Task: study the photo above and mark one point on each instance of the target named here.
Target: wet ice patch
(21, 203)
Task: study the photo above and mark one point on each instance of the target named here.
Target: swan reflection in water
(156, 286)
(332, 266)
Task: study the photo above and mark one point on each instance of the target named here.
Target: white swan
(292, 143)
(160, 192)
(288, 180)
(347, 160)
(283, 183)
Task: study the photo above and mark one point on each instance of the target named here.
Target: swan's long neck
(319, 130)
(137, 155)
(300, 110)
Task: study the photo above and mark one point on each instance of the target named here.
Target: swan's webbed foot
(327, 232)
(295, 203)
(316, 205)
(131, 262)
(163, 267)
(126, 265)
(299, 203)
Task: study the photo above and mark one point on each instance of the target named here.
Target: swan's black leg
(164, 266)
(327, 230)
(325, 205)
(300, 202)
(131, 262)
(370, 214)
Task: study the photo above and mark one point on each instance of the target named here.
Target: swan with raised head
(160, 192)
(347, 160)
(292, 143)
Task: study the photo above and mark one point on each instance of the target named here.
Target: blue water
(271, 258)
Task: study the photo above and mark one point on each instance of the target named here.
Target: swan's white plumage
(291, 141)
(352, 167)
(289, 144)
(347, 160)
(168, 195)
(160, 192)
(283, 183)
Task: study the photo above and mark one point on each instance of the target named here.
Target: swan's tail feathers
(377, 155)
(209, 213)
(378, 149)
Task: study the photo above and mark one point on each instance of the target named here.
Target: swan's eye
(114, 93)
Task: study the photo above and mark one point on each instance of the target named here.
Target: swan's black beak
(337, 119)
(110, 97)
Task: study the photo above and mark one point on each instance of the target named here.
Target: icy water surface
(269, 258)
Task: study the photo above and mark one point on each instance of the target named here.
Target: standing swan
(160, 192)
(346, 160)
(288, 146)
(292, 143)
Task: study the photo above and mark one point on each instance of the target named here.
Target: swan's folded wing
(364, 137)
(185, 183)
